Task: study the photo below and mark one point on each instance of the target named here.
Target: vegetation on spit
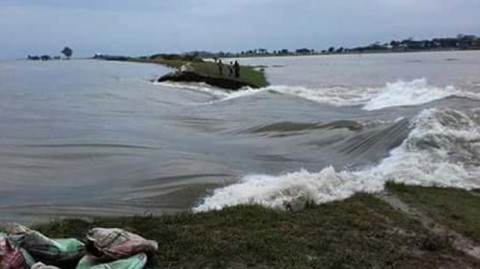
(207, 70)
(360, 232)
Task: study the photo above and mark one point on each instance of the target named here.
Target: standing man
(230, 69)
(236, 66)
(220, 67)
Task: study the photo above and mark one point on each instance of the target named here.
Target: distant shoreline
(286, 55)
(460, 42)
(346, 53)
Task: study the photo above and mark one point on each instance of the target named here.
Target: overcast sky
(140, 27)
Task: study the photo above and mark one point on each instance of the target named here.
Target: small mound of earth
(190, 76)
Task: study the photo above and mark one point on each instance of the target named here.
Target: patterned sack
(12, 257)
(111, 244)
(135, 262)
(59, 252)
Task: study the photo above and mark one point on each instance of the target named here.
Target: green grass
(361, 232)
(248, 74)
(458, 209)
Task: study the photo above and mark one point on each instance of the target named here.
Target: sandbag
(135, 262)
(12, 257)
(40, 265)
(58, 252)
(111, 244)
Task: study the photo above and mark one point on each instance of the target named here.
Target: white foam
(338, 96)
(433, 154)
(220, 94)
(243, 93)
(411, 93)
(400, 93)
(198, 87)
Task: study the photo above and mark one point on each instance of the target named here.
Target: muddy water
(86, 137)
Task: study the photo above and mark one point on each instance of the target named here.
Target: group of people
(233, 68)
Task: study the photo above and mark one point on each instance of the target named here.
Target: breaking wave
(198, 87)
(415, 92)
(442, 149)
(243, 93)
(400, 93)
(217, 93)
(337, 96)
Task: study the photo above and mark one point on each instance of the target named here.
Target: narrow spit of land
(191, 69)
(417, 228)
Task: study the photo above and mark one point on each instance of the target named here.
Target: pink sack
(11, 257)
(112, 244)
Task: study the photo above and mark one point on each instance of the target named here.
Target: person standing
(230, 69)
(236, 66)
(220, 67)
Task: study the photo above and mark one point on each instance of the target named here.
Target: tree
(331, 49)
(67, 52)
(302, 51)
(394, 43)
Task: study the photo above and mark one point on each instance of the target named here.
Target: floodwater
(85, 137)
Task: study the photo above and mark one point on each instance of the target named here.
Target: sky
(144, 27)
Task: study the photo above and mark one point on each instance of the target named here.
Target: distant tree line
(265, 52)
(188, 57)
(246, 53)
(68, 52)
(461, 42)
(111, 57)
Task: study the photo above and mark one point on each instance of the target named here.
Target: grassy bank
(361, 232)
(458, 209)
(248, 74)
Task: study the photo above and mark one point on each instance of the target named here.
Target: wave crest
(441, 150)
(411, 93)
(400, 93)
